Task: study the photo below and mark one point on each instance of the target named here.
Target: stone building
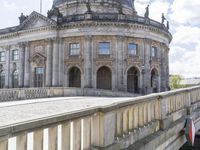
(89, 44)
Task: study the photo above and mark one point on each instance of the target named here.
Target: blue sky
(184, 17)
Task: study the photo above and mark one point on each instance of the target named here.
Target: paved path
(20, 111)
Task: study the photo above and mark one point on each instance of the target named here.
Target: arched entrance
(104, 78)
(154, 81)
(75, 77)
(133, 80)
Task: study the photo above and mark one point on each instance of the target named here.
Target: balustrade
(97, 127)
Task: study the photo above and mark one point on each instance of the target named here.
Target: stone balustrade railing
(34, 93)
(110, 126)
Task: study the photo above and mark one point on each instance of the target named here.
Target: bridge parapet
(114, 126)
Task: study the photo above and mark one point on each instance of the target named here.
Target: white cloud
(186, 12)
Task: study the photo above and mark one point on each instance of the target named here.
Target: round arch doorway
(75, 77)
(104, 78)
(133, 80)
(154, 80)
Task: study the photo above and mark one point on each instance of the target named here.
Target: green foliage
(175, 82)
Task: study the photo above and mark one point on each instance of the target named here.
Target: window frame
(136, 51)
(74, 51)
(100, 52)
(39, 77)
(2, 75)
(2, 57)
(15, 56)
(15, 81)
(154, 51)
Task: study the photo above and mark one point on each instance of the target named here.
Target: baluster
(87, 133)
(4, 145)
(53, 136)
(38, 140)
(130, 124)
(136, 117)
(21, 143)
(65, 131)
(145, 114)
(125, 121)
(149, 112)
(141, 118)
(77, 135)
(119, 123)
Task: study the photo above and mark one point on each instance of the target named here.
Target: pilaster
(88, 61)
(27, 65)
(55, 77)
(48, 81)
(7, 68)
(21, 62)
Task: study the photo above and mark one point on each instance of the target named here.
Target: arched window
(104, 78)
(133, 75)
(2, 79)
(15, 77)
(74, 77)
(154, 80)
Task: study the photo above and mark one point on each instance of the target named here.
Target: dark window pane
(2, 79)
(39, 74)
(15, 78)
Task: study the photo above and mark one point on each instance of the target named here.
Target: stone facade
(65, 49)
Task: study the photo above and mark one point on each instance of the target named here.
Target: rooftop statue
(163, 18)
(88, 7)
(146, 15)
(22, 18)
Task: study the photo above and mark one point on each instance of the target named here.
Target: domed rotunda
(100, 44)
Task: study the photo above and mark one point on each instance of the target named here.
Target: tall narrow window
(74, 49)
(2, 56)
(153, 51)
(15, 55)
(132, 49)
(2, 79)
(15, 79)
(39, 77)
(104, 48)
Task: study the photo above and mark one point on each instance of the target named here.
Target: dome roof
(124, 2)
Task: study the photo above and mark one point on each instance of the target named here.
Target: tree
(175, 82)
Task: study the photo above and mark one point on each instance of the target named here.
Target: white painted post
(65, 131)
(21, 142)
(38, 140)
(87, 133)
(77, 134)
(4, 145)
(53, 138)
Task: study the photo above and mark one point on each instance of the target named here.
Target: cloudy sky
(184, 17)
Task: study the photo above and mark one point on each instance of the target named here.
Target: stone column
(119, 61)
(7, 68)
(49, 63)
(167, 68)
(27, 66)
(147, 66)
(88, 62)
(61, 63)
(21, 64)
(163, 68)
(55, 80)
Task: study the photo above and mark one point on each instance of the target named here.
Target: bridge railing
(46, 92)
(100, 127)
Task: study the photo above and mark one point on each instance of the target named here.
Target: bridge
(79, 119)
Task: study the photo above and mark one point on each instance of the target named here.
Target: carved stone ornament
(38, 59)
